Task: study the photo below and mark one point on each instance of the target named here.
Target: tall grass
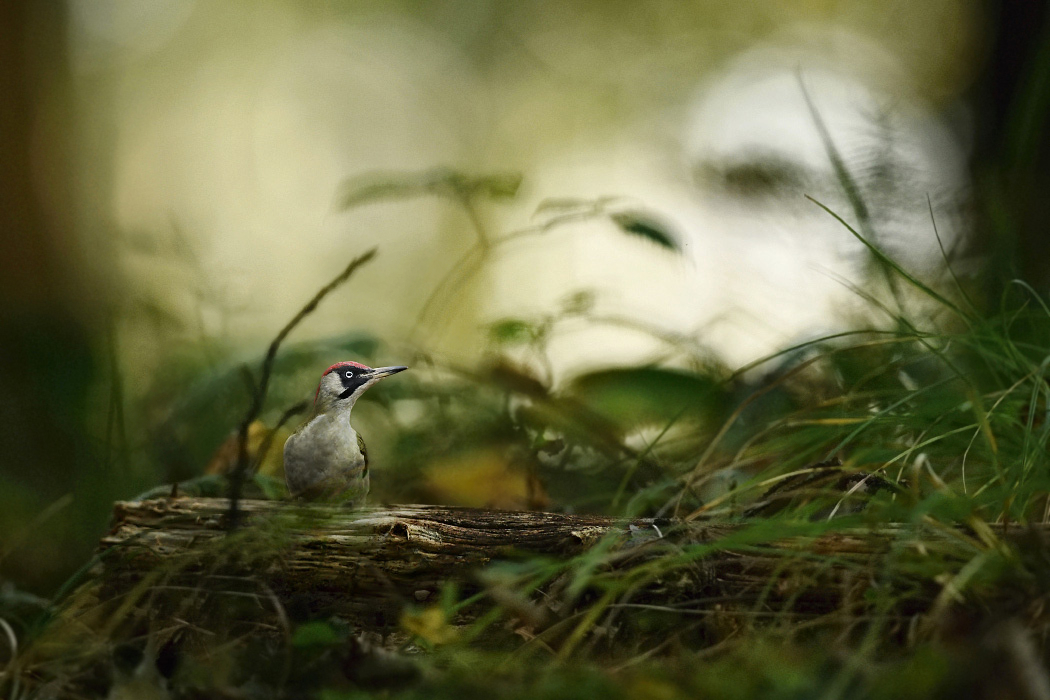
(944, 407)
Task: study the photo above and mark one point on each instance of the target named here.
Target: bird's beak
(370, 378)
(380, 372)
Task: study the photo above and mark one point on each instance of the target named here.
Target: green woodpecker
(326, 458)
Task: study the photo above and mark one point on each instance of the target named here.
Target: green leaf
(315, 634)
(206, 486)
(649, 395)
(498, 186)
(761, 175)
(271, 488)
(439, 182)
(375, 187)
(512, 331)
(578, 303)
(644, 225)
(562, 205)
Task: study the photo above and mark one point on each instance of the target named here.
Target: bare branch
(259, 395)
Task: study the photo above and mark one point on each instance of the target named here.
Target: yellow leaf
(483, 479)
(224, 458)
(429, 624)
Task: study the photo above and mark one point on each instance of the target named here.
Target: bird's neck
(331, 404)
(338, 411)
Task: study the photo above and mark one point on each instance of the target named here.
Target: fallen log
(364, 564)
(368, 565)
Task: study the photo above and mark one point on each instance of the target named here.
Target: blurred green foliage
(950, 415)
(954, 413)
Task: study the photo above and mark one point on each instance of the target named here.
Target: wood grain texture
(368, 564)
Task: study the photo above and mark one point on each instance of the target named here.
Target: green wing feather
(364, 453)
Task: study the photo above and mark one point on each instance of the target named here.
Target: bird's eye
(349, 374)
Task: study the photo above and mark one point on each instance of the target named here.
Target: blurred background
(557, 191)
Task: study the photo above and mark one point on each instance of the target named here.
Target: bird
(325, 459)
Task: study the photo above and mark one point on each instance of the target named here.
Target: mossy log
(368, 564)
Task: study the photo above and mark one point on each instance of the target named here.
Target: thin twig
(267, 442)
(259, 395)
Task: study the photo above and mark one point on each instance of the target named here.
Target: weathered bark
(361, 563)
(367, 564)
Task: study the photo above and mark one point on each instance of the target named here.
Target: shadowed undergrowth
(927, 434)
